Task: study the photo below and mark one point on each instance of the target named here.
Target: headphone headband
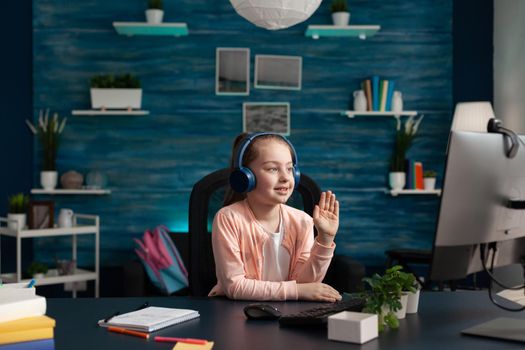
(237, 161)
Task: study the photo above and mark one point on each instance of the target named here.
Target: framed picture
(266, 117)
(278, 72)
(232, 71)
(41, 214)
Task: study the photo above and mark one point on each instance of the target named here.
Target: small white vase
(397, 102)
(430, 183)
(19, 221)
(154, 16)
(401, 313)
(359, 101)
(413, 302)
(341, 18)
(397, 180)
(48, 179)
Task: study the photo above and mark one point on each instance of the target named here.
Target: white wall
(509, 63)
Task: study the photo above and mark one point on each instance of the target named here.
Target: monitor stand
(501, 328)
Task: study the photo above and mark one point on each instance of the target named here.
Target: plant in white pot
(115, 92)
(37, 270)
(340, 14)
(16, 217)
(429, 179)
(48, 131)
(404, 138)
(155, 12)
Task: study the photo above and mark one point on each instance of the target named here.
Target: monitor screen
(480, 181)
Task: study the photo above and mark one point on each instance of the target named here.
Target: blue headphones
(242, 178)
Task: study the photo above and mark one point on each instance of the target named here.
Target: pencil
(181, 340)
(128, 332)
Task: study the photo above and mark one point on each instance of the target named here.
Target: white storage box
(116, 98)
(352, 327)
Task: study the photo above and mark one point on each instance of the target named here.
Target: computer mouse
(261, 312)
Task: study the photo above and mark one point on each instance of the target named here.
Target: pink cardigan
(237, 241)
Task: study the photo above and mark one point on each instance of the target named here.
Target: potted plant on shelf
(385, 296)
(340, 14)
(429, 178)
(155, 12)
(115, 92)
(37, 270)
(404, 139)
(48, 131)
(16, 218)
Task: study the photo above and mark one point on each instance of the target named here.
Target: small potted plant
(385, 296)
(16, 218)
(340, 14)
(429, 178)
(155, 12)
(48, 131)
(37, 270)
(115, 92)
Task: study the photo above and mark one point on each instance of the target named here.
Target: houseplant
(340, 14)
(48, 132)
(115, 92)
(37, 269)
(429, 178)
(385, 295)
(404, 138)
(17, 211)
(155, 12)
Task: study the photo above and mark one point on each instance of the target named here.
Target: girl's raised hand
(326, 217)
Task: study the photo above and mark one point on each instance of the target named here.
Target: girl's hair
(249, 155)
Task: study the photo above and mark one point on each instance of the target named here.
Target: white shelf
(108, 112)
(48, 232)
(52, 277)
(356, 31)
(352, 114)
(395, 193)
(67, 191)
(144, 28)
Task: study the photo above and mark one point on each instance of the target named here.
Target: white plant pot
(116, 98)
(48, 179)
(341, 18)
(154, 16)
(401, 313)
(16, 221)
(397, 180)
(430, 183)
(413, 302)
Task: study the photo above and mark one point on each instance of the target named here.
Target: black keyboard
(318, 316)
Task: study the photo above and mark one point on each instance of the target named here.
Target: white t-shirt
(276, 259)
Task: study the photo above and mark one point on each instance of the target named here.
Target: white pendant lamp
(275, 14)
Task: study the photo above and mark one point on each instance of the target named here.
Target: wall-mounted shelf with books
(109, 112)
(358, 31)
(143, 28)
(63, 191)
(395, 193)
(352, 114)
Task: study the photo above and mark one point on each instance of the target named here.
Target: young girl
(264, 249)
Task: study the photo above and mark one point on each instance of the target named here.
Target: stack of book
(23, 324)
(414, 175)
(378, 93)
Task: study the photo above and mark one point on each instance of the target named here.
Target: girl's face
(273, 170)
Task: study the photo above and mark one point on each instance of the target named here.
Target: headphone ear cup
(242, 180)
(296, 177)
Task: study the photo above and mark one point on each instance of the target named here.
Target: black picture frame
(41, 215)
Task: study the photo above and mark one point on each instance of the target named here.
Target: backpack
(162, 260)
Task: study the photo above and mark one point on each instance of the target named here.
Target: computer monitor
(481, 183)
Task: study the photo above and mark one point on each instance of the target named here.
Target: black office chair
(206, 199)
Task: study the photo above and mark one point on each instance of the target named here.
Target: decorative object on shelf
(48, 131)
(65, 218)
(340, 13)
(232, 71)
(115, 92)
(359, 101)
(274, 15)
(397, 101)
(65, 267)
(41, 214)
(266, 117)
(71, 180)
(385, 296)
(96, 180)
(37, 270)
(155, 12)
(429, 178)
(16, 216)
(278, 72)
(397, 180)
(404, 138)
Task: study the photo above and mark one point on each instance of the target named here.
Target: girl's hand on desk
(326, 218)
(317, 292)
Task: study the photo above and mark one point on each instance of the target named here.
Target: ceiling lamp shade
(275, 14)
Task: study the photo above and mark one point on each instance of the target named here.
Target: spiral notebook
(151, 318)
